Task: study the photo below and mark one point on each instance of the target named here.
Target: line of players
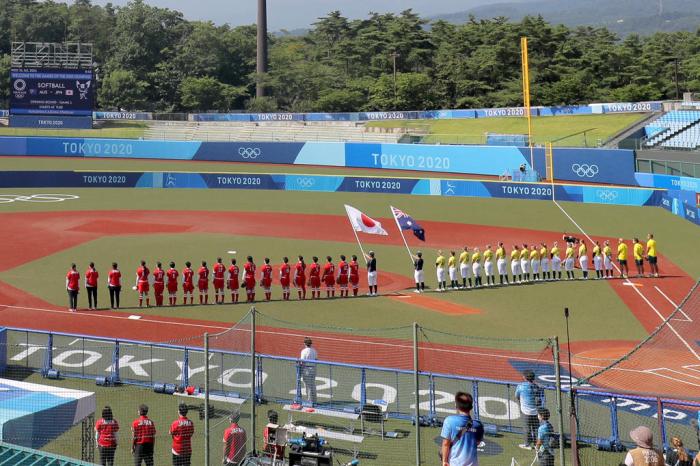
(345, 275)
(535, 263)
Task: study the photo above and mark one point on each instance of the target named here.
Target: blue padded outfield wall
(608, 166)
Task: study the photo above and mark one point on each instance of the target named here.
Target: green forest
(154, 59)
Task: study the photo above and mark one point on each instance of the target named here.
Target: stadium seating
(679, 129)
(269, 131)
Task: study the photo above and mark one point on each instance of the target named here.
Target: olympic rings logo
(38, 198)
(305, 182)
(249, 152)
(607, 196)
(584, 170)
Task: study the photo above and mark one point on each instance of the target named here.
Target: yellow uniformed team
(534, 262)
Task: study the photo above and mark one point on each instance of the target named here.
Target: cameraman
(461, 434)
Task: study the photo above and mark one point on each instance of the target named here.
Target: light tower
(261, 68)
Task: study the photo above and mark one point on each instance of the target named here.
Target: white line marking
(675, 306)
(641, 295)
(134, 317)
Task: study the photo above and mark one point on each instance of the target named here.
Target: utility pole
(678, 89)
(394, 55)
(261, 68)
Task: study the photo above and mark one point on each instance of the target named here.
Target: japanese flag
(363, 223)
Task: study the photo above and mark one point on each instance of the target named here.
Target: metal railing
(668, 167)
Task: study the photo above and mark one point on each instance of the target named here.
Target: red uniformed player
(203, 283)
(73, 287)
(182, 430)
(219, 270)
(172, 275)
(142, 284)
(249, 279)
(343, 275)
(144, 438)
(328, 277)
(106, 430)
(266, 279)
(354, 275)
(300, 277)
(234, 442)
(91, 276)
(114, 283)
(315, 278)
(233, 284)
(285, 272)
(158, 283)
(188, 283)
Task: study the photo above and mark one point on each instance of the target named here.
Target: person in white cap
(644, 454)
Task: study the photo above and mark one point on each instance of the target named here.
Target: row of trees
(154, 59)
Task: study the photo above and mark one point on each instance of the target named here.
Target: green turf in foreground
(108, 129)
(565, 130)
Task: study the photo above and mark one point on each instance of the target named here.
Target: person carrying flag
(371, 273)
(418, 272)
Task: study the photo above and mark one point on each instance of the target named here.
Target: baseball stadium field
(608, 317)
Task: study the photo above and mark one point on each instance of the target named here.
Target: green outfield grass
(567, 130)
(108, 129)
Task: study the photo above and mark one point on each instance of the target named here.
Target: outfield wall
(608, 166)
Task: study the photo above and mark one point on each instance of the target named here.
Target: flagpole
(396, 220)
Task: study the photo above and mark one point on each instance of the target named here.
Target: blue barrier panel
(51, 122)
(682, 183)
(250, 152)
(122, 116)
(565, 110)
(608, 166)
(631, 107)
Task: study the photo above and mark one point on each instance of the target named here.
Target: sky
(295, 14)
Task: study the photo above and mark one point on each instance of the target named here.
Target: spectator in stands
(529, 395)
(545, 439)
(678, 456)
(234, 441)
(461, 434)
(308, 370)
(273, 450)
(644, 454)
(107, 432)
(144, 438)
(182, 430)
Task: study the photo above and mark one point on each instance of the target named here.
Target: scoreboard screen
(51, 92)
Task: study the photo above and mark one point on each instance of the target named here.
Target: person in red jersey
(354, 275)
(299, 278)
(142, 284)
(158, 283)
(328, 277)
(91, 276)
(315, 278)
(234, 442)
(343, 276)
(182, 430)
(143, 431)
(233, 280)
(188, 283)
(172, 275)
(219, 270)
(285, 273)
(249, 278)
(114, 284)
(266, 279)
(203, 283)
(73, 287)
(107, 432)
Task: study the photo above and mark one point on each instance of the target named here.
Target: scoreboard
(51, 92)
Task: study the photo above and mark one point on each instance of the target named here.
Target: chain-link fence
(361, 390)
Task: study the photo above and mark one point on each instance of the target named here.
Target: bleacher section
(270, 131)
(678, 129)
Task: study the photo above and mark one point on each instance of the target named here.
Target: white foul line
(641, 295)
(675, 306)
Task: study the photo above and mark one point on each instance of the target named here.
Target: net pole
(560, 414)
(207, 452)
(252, 379)
(416, 386)
(526, 96)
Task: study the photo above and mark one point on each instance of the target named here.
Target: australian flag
(406, 222)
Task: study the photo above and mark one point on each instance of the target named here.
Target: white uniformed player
(525, 263)
(465, 267)
(501, 264)
(556, 261)
(452, 269)
(515, 264)
(440, 270)
(308, 370)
